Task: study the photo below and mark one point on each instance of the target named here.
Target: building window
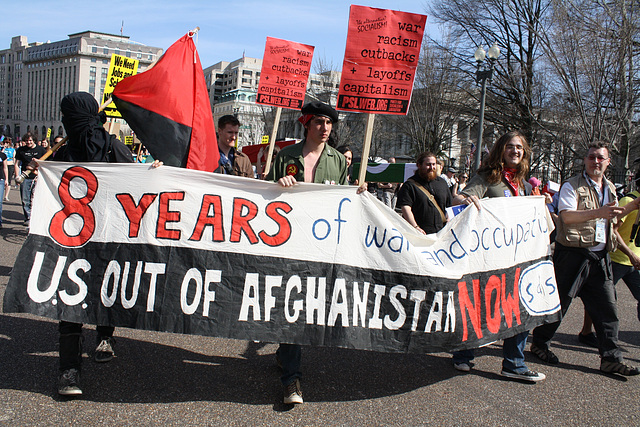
(94, 49)
(105, 51)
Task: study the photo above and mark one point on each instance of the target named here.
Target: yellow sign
(120, 67)
(128, 139)
(48, 133)
(265, 139)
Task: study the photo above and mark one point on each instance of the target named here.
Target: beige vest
(583, 235)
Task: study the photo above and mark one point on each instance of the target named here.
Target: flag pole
(272, 141)
(368, 133)
(52, 150)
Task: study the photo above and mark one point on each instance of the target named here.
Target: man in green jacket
(311, 160)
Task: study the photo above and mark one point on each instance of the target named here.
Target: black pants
(598, 296)
(71, 343)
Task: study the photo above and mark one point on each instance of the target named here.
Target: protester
(4, 180)
(24, 155)
(423, 198)
(311, 160)
(450, 178)
(625, 260)
(460, 184)
(88, 141)
(10, 152)
(232, 162)
(386, 190)
(348, 155)
(585, 236)
(535, 186)
(502, 174)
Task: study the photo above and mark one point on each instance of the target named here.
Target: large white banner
(194, 252)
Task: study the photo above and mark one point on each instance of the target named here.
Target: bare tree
(514, 25)
(437, 102)
(592, 49)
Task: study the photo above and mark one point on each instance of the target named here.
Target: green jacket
(331, 169)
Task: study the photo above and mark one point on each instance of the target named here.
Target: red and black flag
(168, 108)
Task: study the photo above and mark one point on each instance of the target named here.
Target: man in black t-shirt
(425, 213)
(4, 181)
(24, 155)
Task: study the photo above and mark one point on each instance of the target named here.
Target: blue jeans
(631, 278)
(512, 353)
(1, 198)
(25, 192)
(290, 356)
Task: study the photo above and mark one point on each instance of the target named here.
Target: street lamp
(484, 72)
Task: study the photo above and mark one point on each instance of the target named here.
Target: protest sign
(284, 73)
(283, 80)
(383, 47)
(191, 252)
(119, 68)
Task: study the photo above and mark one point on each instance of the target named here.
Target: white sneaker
(462, 367)
(293, 393)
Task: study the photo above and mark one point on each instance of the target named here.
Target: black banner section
(243, 296)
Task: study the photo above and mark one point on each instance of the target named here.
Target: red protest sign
(383, 47)
(284, 74)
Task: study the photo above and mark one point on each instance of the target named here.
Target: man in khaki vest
(586, 234)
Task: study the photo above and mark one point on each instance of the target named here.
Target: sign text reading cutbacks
(380, 60)
(284, 73)
(192, 252)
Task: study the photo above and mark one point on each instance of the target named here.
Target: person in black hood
(88, 140)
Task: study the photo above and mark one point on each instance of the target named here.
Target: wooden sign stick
(364, 162)
(272, 141)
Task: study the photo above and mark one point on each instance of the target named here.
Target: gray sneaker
(104, 351)
(69, 383)
(293, 393)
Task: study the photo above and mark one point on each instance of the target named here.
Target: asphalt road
(169, 379)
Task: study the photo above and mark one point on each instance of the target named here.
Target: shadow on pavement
(145, 372)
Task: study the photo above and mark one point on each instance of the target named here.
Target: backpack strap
(430, 197)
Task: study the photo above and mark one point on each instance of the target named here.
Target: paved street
(168, 379)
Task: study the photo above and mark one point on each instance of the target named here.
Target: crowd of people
(590, 224)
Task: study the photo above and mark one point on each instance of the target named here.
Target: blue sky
(227, 28)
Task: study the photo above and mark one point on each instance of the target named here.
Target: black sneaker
(589, 339)
(104, 350)
(544, 354)
(69, 383)
(530, 375)
(293, 393)
(618, 368)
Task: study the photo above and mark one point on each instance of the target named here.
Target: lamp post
(484, 72)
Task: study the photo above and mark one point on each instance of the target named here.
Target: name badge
(601, 233)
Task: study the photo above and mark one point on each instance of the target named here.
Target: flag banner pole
(365, 148)
(272, 141)
(52, 150)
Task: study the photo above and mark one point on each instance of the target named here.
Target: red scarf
(509, 175)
